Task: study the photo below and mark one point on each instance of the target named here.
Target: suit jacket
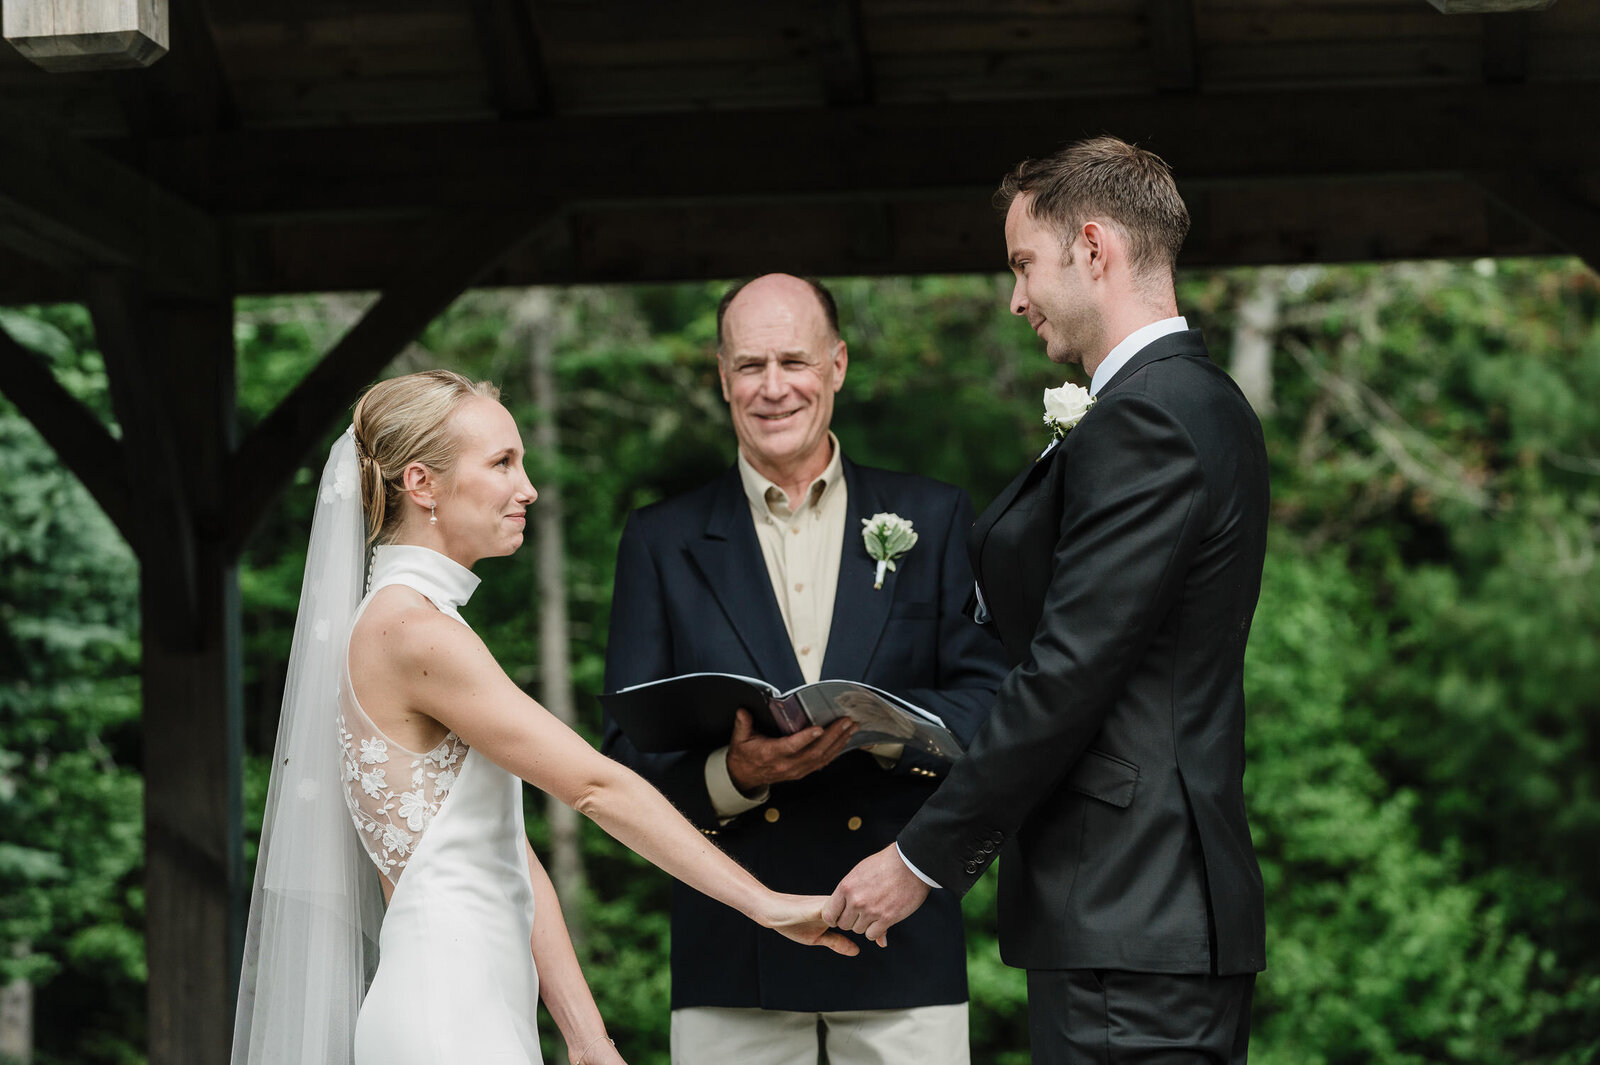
(1121, 572)
(692, 594)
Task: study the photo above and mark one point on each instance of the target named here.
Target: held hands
(754, 760)
(880, 891)
(799, 917)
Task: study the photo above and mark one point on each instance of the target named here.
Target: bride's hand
(799, 917)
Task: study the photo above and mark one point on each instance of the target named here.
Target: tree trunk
(1252, 343)
(536, 320)
(16, 1018)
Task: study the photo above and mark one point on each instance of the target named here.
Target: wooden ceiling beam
(1235, 224)
(881, 151)
(74, 208)
(508, 39)
(1173, 62)
(1569, 219)
(461, 251)
(187, 92)
(846, 73)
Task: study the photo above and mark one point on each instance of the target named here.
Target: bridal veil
(311, 942)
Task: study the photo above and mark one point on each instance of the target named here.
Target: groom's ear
(1096, 246)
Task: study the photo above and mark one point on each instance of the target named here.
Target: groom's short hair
(1107, 178)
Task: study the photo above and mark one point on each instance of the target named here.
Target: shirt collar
(759, 490)
(1131, 345)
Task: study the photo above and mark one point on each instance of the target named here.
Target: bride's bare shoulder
(400, 625)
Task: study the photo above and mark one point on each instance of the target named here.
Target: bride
(399, 916)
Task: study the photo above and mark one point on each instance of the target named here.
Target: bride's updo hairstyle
(401, 421)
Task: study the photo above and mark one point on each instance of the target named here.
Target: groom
(1120, 571)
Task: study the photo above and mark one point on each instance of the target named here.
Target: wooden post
(192, 718)
(171, 366)
(67, 35)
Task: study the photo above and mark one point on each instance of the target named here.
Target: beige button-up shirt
(801, 542)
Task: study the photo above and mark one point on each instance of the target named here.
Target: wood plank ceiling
(335, 140)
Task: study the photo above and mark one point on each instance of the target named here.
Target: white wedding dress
(455, 979)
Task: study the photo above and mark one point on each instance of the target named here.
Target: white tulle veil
(311, 941)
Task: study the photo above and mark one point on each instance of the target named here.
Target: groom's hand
(880, 891)
(754, 760)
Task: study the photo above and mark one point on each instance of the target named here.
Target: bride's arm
(447, 673)
(561, 983)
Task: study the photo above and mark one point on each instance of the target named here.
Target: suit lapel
(991, 514)
(729, 558)
(860, 611)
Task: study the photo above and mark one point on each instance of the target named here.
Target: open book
(695, 711)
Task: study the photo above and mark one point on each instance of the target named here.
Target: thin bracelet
(585, 1051)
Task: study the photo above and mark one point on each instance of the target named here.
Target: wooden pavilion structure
(416, 147)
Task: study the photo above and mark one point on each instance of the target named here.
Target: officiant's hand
(880, 891)
(755, 761)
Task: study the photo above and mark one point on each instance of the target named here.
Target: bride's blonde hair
(401, 421)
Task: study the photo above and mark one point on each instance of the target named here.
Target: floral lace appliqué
(391, 815)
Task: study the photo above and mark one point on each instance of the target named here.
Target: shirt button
(806, 649)
(794, 528)
(771, 815)
(800, 587)
(853, 824)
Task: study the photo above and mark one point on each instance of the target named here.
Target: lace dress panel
(393, 794)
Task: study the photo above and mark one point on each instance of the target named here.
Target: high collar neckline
(446, 582)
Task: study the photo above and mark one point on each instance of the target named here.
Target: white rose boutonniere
(1065, 407)
(888, 536)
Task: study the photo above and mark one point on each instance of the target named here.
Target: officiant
(765, 572)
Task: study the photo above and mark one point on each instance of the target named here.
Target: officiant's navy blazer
(1121, 571)
(692, 595)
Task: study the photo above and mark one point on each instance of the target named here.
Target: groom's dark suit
(1121, 572)
(692, 594)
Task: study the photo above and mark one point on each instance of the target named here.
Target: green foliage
(1422, 675)
(70, 794)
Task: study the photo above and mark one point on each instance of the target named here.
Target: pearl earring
(433, 519)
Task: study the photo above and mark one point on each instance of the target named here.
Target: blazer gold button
(771, 815)
(853, 824)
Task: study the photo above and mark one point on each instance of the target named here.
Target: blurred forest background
(1423, 676)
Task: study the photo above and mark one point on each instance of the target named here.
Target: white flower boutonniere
(888, 536)
(1064, 408)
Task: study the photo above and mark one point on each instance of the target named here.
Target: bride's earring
(433, 519)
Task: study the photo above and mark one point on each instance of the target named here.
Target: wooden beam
(1296, 221)
(79, 439)
(188, 93)
(163, 528)
(1569, 219)
(74, 208)
(1484, 7)
(78, 35)
(192, 697)
(1505, 48)
(509, 41)
(846, 73)
(881, 152)
(463, 250)
(1173, 65)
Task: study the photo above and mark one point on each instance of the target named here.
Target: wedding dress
(455, 979)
